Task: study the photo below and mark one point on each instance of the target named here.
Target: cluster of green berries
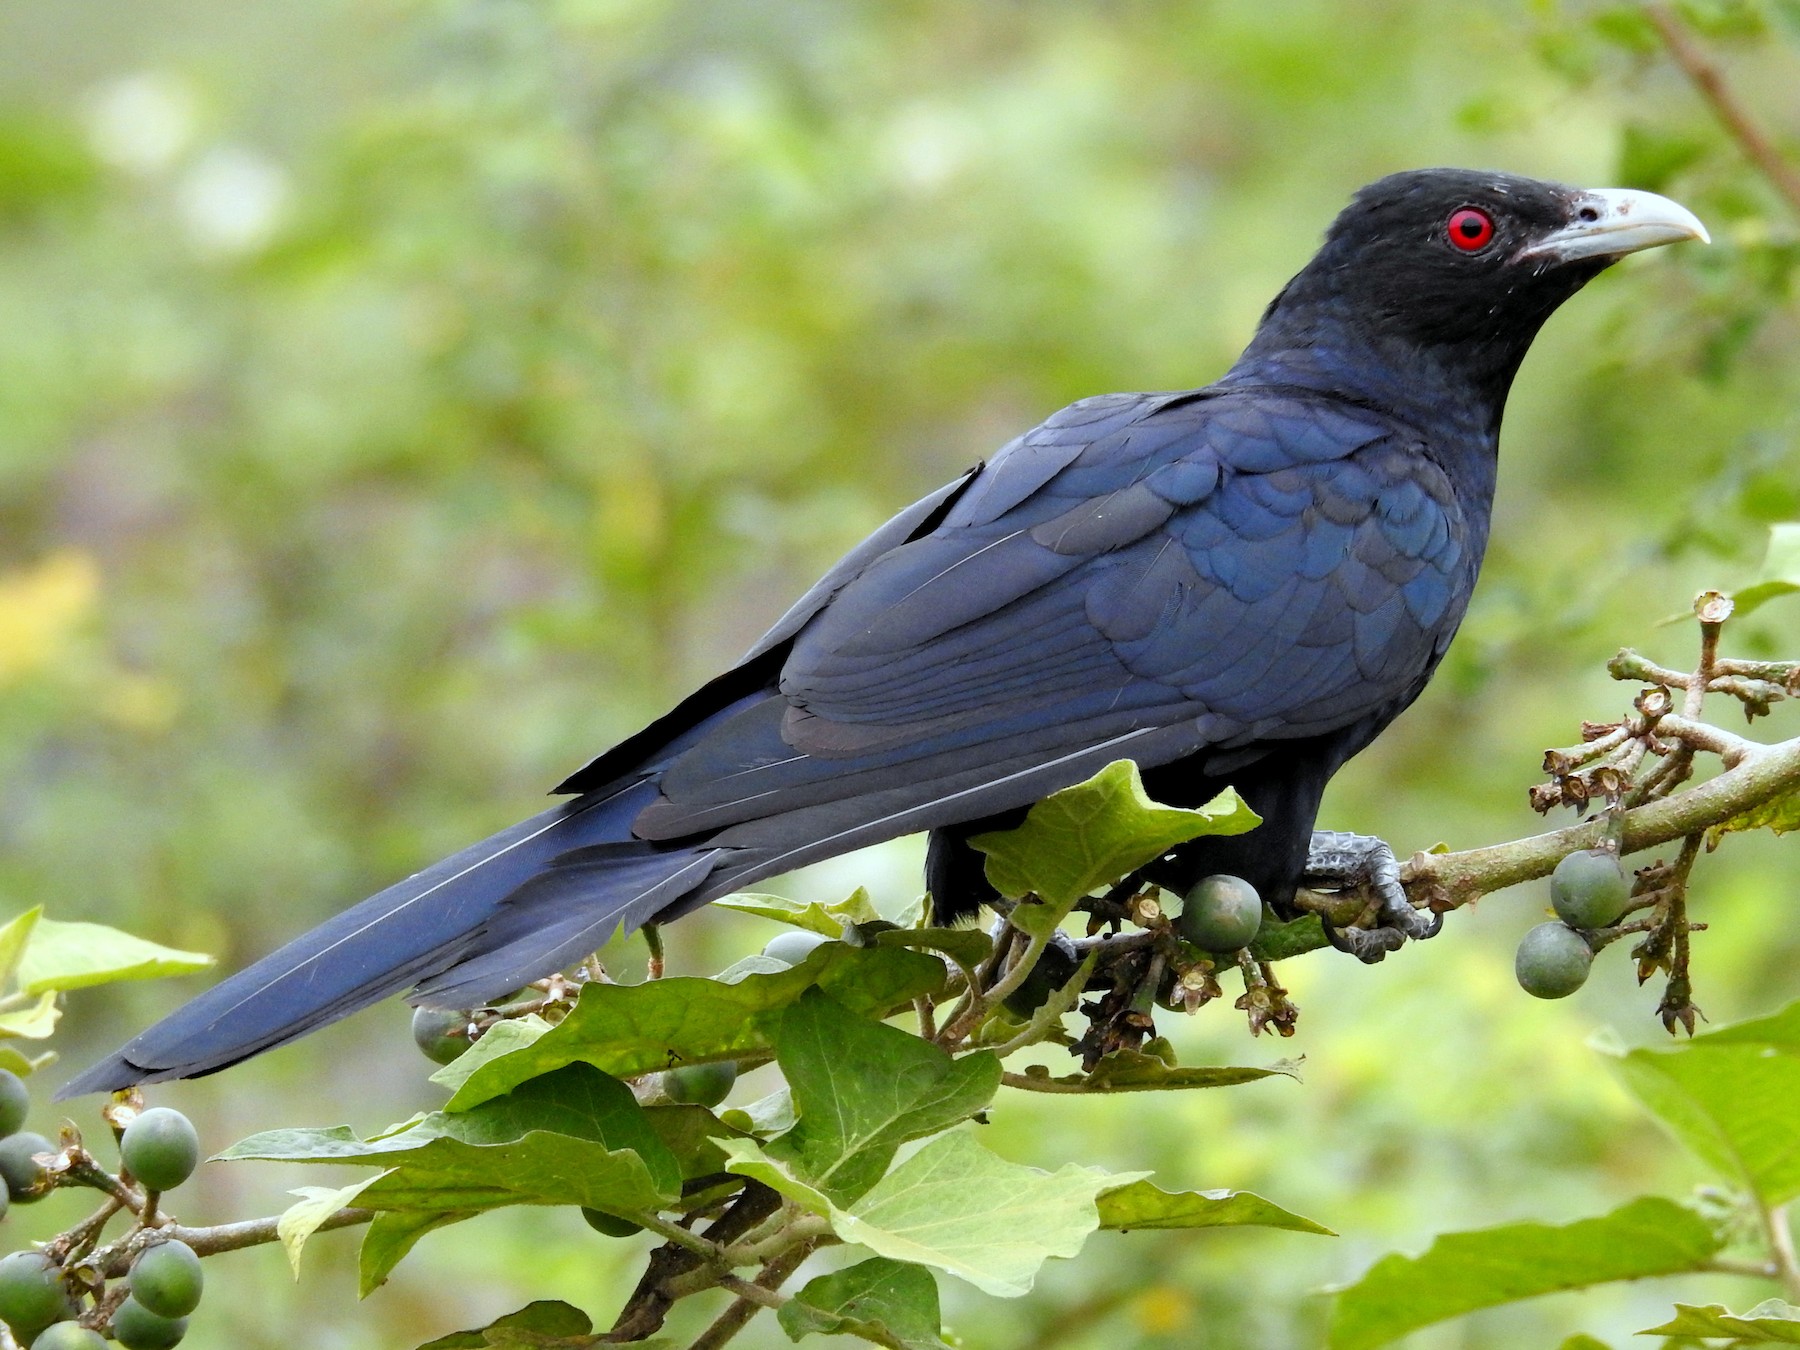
(160, 1149)
(1588, 890)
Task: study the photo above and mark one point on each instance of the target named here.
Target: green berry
(32, 1295)
(15, 1101)
(161, 1148)
(700, 1084)
(1589, 888)
(1221, 914)
(166, 1279)
(137, 1328)
(1054, 969)
(21, 1175)
(68, 1336)
(5, 1198)
(793, 947)
(441, 1033)
(611, 1225)
(1552, 961)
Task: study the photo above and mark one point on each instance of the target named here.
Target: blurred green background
(401, 401)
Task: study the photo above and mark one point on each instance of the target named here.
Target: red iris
(1470, 230)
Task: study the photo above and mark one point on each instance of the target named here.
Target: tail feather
(437, 922)
(551, 921)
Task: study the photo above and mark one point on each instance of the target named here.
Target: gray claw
(1339, 861)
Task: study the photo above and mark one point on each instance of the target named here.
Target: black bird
(1241, 584)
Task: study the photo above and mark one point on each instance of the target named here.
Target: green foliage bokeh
(400, 402)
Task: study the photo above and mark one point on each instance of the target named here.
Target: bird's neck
(1455, 397)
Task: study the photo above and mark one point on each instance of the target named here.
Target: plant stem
(1451, 880)
(735, 1318)
(225, 1237)
(1706, 77)
(1781, 1246)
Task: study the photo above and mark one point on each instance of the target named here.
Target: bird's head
(1464, 266)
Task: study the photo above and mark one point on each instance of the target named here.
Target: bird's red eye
(1470, 230)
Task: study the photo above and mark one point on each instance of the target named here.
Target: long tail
(477, 925)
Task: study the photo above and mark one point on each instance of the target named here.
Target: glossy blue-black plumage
(1242, 583)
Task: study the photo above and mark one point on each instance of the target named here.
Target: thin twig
(1451, 880)
(735, 1318)
(1706, 77)
(225, 1237)
(1781, 1245)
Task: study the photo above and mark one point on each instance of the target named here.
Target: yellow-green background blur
(401, 401)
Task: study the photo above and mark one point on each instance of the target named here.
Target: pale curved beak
(1611, 222)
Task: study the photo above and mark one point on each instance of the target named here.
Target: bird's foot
(1360, 863)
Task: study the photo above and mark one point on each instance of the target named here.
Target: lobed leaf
(547, 1322)
(1771, 1322)
(1145, 1205)
(33, 1023)
(1463, 1272)
(1095, 833)
(630, 1029)
(316, 1204)
(1779, 574)
(1134, 1071)
(391, 1234)
(63, 956)
(1779, 815)
(956, 1206)
(574, 1136)
(515, 1033)
(811, 915)
(14, 936)
(892, 1302)
(861, 1089)
(1725, 1095)
(970, 946)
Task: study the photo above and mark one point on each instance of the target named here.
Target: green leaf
(1096, 832)
(1779, 574)
(1145, 1205)
(13, 1061)
(77, 955)
(393, 1233)
(1462, 1272)
(1727, 1096)
(812, 916)
(1133, 1071)
(316, 1204)
(573, 1137)
(548, 1322)
(746, 1158)
(1780, 815)
(1582, 1341)
(765, 1116)
(629, 1029)
(861, 1089)
(13, 938)
(894, 1302)
(691, 1134)
(970, 946)
(515, 1033)
(1771, 1322)
(33, 1023)
(958, 1207)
